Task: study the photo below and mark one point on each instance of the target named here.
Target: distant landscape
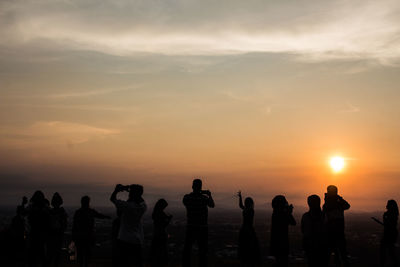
(363, 236)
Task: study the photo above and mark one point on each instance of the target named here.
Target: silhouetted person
(58, 224)
(249, 249)
(38, 217)
(197, 204)
(390, 234)
(281, 219)
(17, 235)
(159, 251)
(130, 235)
(83, 230)
(116, 224)
(314, 235)
(333, 209)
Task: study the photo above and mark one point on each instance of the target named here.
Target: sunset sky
(254, 95)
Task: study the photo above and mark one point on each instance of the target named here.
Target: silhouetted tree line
(37, 230)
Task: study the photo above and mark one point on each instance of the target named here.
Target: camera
(205, 192)
(124, 188)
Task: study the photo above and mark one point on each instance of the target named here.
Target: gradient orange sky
(251, 95)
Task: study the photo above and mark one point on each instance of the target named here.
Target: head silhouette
(392, 207)
(56, 200)
(279, 202)
(314, 202)
(197, 185)
(38, 199)
(135, 192)
(85, 201)
(160, 205)
(332, 190)
(249, 203)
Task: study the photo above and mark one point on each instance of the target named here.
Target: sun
(337, 164)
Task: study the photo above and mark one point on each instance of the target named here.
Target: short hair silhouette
(332, 190)
(279, 202)
(56, 200)
(197, 184)
(314, 202)
(85, 200)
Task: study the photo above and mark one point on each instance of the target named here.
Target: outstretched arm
(240, 200)
(99, 215)
(376, 220)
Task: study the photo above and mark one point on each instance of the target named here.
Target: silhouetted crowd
(37, 230)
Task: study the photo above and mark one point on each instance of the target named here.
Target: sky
(248, 95)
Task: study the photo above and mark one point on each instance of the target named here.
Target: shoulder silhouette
(83, 230)
(333, 209)
(58, 224)
(248, 249)
(281, 219)
(159, 251)
(314, 235)
(130, 237)
(38, 215)
(197, 204)
(390, 234)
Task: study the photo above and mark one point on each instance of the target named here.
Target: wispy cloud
(49, 133)
(350, 108)
(314, 30)
(73, 107)
(74, 94)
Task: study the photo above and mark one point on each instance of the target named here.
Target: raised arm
(240, 200)
(117, 189)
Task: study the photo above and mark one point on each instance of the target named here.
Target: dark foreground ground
(363, 237)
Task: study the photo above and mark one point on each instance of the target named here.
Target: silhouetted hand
(119, 187)
(207, 192)
(239, 194)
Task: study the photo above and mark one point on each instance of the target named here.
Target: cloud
(79, 94)
(49, 133)
(350, 109)
(314, 30)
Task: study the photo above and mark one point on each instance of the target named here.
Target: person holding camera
(333, 209)
(282, 217)
(130, 236)
(197, 204)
